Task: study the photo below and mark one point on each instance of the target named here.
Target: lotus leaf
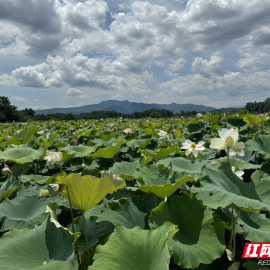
(87, 191)
(200, 238)
(135, 249)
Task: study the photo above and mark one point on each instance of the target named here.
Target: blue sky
(70, 53)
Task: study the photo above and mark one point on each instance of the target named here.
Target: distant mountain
(128, 107)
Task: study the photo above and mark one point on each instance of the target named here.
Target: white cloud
(136, 49)
(177, 64)
(17, 99)
(72, 92)
(253, 61)
(75, 93)
(208, 68)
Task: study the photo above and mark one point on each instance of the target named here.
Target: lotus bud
(169, 164)
(54, 189)
(67, 144)
(133, 148)
(67, 135)
(173, 130)
(223, 119)
(254, 124)
(8, 137)
(183, 123)
(75, 142)
(6, 170)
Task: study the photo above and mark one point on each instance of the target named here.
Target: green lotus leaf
(261, 180)
(45, 247)
(40, 179)
(238, 163)
(24, 211)
(87, 191)
(122, 212)
(200, 238)
(253, 265)
(192, 128)
(220, 187)
(21, 155)
(125, 169)
(141, 143)
(254, 226)
(79, 150)
(250, 119)
(235, 122)
(110, 151)
(156, 174)
(135, 249)
(8, 188)
(19, 169)
(50, 140)
(184, 166)
(167, 189)
(260, 145)
(164, 152)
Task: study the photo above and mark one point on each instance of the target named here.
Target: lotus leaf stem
(86, 238)
(232, 243)
(72, 224)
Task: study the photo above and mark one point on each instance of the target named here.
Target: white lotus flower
(163, 134)
(238, 173)
(192, 147)
(54, 157)
(228, 140)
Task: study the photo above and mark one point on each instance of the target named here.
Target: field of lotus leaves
(134, 194)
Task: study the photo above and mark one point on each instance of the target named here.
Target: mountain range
(127, 107)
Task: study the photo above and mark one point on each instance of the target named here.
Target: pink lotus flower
(183, 123)
(173, 130)
(127, 130)
(67, 144)
(40, 132)
(223, 119)
(8, 137)
(75, 142)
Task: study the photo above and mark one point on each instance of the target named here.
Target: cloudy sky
(62, 53)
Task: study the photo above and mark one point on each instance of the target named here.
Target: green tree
(8, 112)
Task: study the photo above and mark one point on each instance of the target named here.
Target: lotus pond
(141, 194)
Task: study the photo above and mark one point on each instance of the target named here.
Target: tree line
(258, 107)
(10, 113)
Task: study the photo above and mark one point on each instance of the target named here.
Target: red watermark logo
(256, 251)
